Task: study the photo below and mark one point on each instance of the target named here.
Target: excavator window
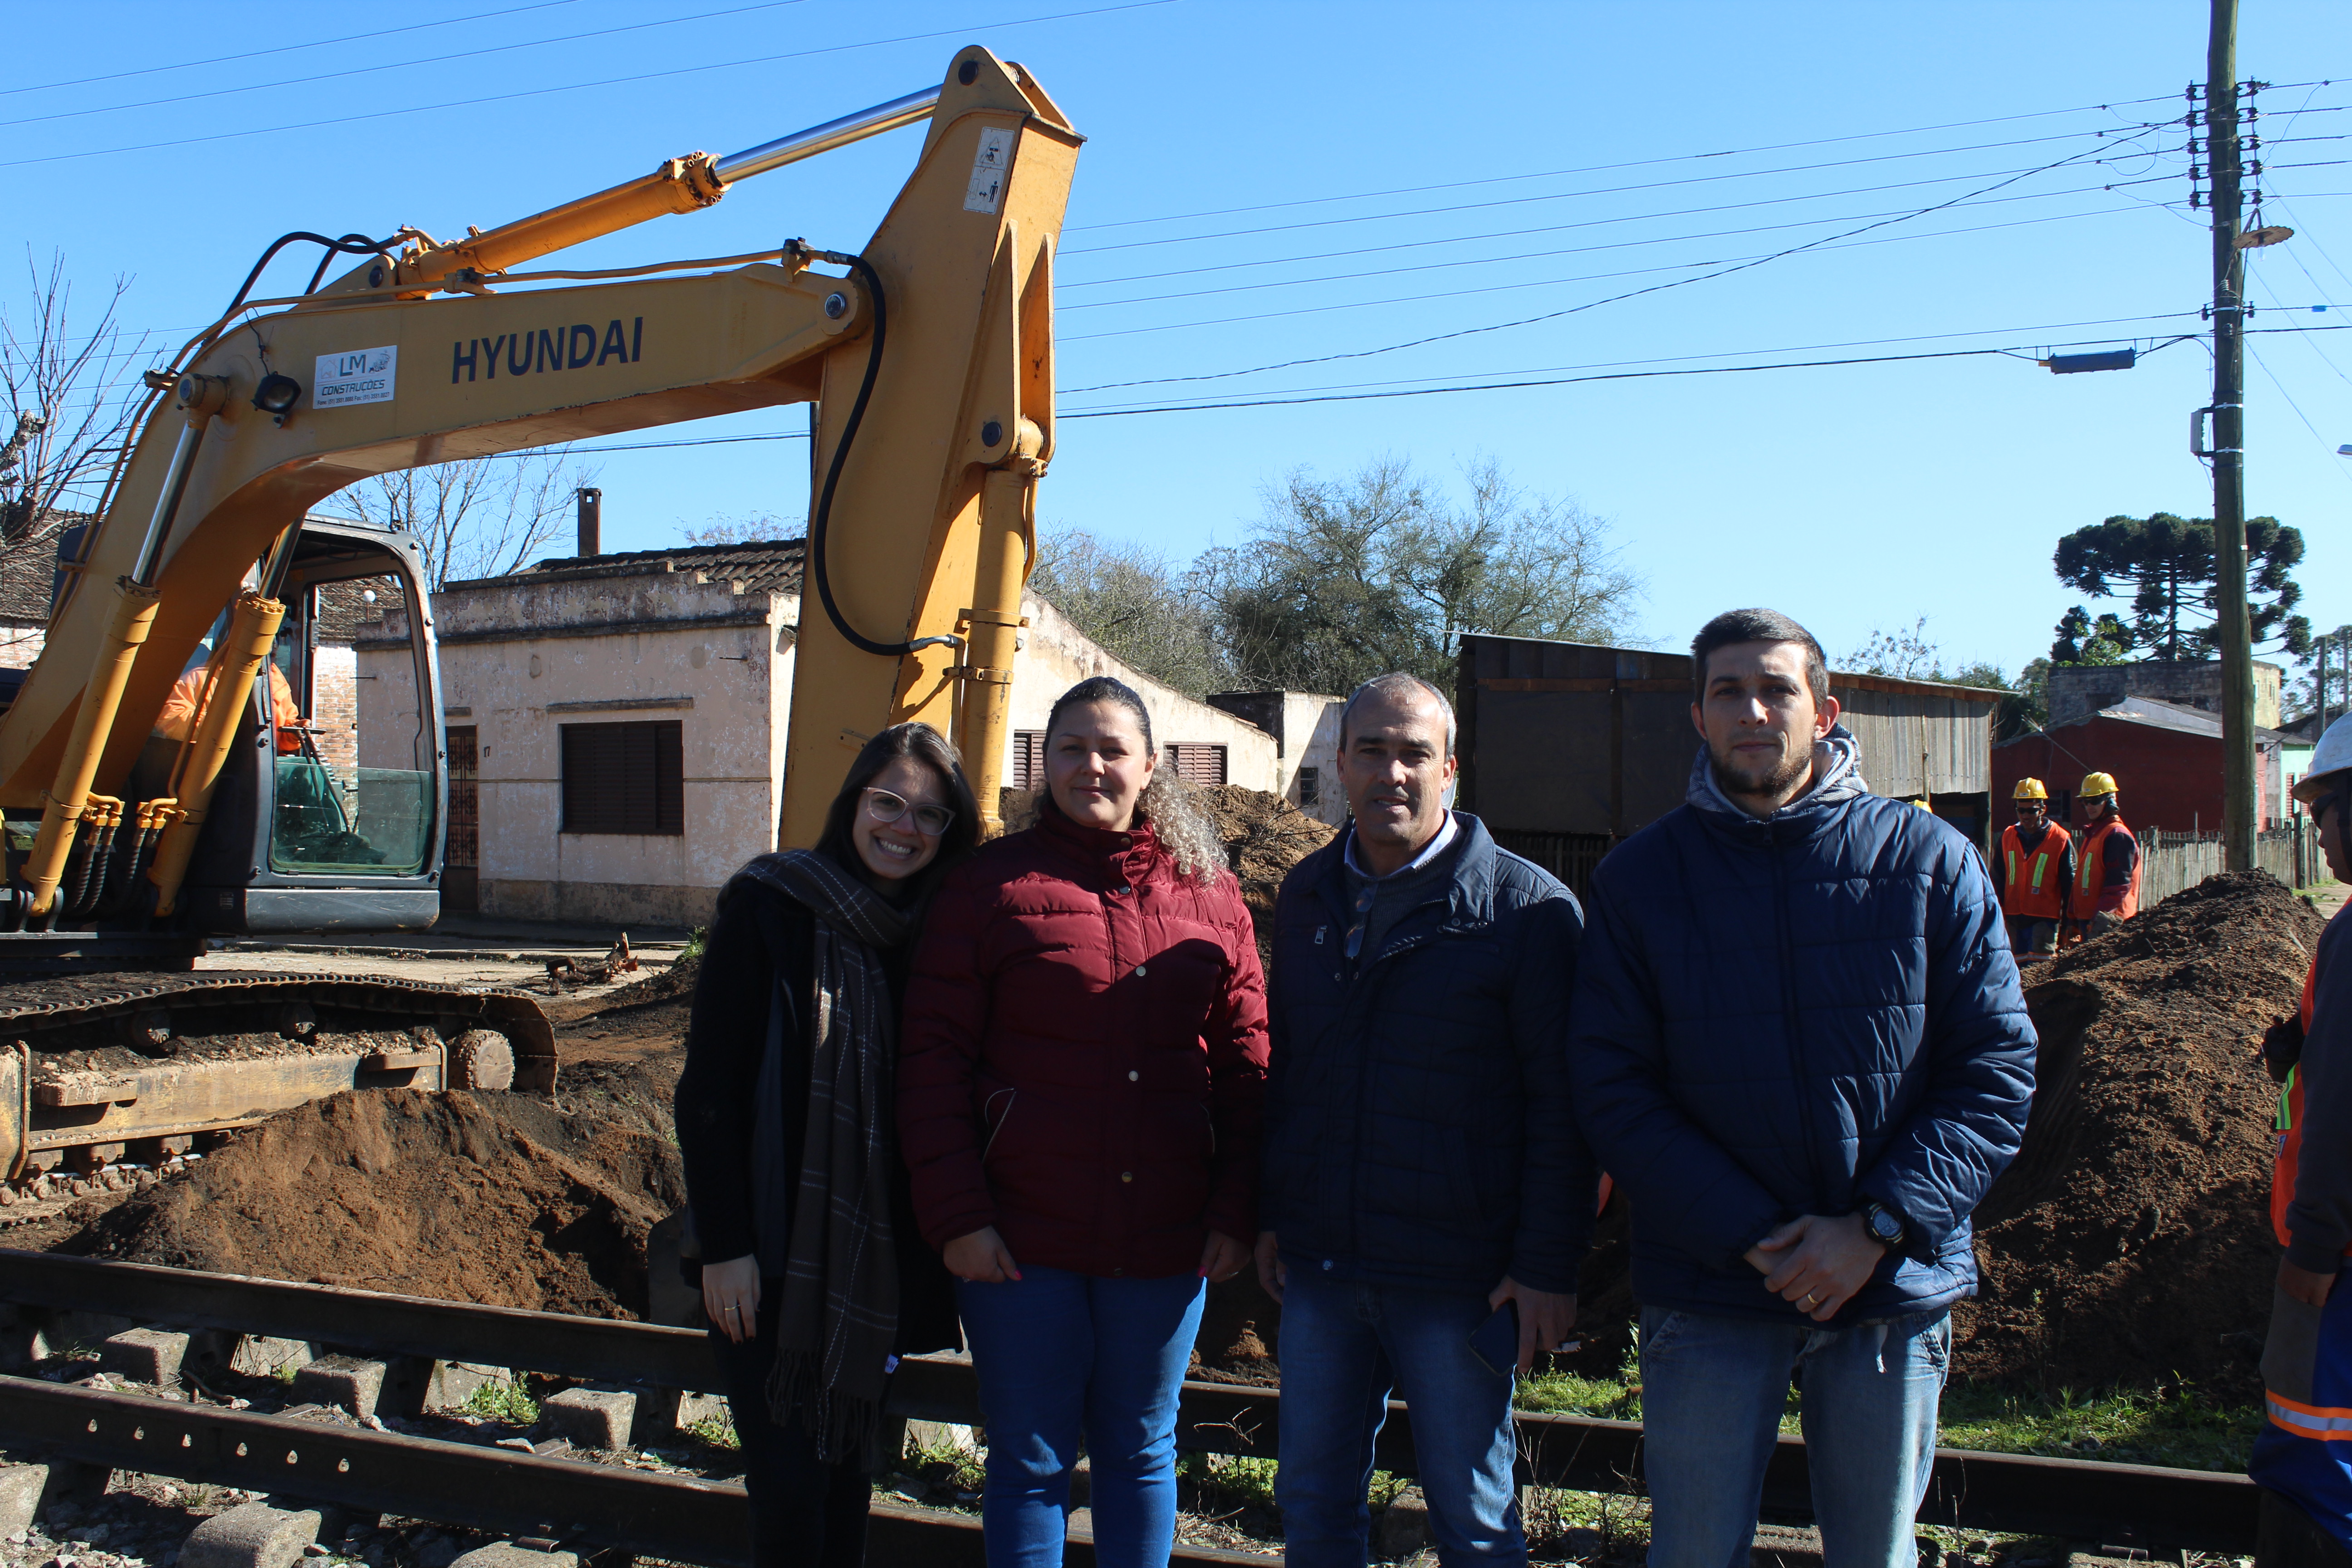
(335, 813)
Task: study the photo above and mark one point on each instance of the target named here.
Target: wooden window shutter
(1197, 761)
(625, 778)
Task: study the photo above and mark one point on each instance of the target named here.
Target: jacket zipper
(1357, 989)
(999, 1128)
(1789, 1012)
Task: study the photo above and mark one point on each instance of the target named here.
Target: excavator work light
(277, 394)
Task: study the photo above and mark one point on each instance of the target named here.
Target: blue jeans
(1344, 1345)
(1058, 1352)
(1712, 1393)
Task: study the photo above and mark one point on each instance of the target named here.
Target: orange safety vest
(2030, 890)
(2091, 875)
(2290, 1127)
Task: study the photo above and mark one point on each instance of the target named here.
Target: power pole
(2229, 443)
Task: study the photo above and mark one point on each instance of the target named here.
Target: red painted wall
(2168, 779)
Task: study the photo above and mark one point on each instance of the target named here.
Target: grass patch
(714, 1431)
(503, 1402)
(2176, 1426)
(696, 941)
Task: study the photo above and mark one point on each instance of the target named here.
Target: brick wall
(335, 707)
(20, 646)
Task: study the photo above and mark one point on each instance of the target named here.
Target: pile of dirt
(1264, 835)
(507, 1200)
(2130, 1242)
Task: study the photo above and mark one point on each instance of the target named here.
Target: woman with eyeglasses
(1083, 1064)
(814, 1277)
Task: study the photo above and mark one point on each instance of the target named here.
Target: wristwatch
(1886, 1226)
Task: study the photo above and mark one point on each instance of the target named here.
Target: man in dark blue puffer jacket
(1799, 1047)
(1422, 1167)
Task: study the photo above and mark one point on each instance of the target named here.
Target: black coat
(756, 930)
(1419, 1129)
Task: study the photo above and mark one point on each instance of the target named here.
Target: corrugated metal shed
(1570, 739)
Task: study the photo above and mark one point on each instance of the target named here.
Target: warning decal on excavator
(988, 167)
(362, 375)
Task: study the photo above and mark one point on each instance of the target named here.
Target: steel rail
(597, 1349)
(676, 1518)
(2196, 1509)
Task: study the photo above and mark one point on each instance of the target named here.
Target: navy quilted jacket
(1418, 1126)
(1789, 1016)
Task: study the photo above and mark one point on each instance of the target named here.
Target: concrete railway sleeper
(2146, 1505)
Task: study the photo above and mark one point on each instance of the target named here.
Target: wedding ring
(1809, 1301)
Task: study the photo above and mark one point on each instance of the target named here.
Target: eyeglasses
(929, 820)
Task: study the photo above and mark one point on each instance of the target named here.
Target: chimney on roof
(592, 520)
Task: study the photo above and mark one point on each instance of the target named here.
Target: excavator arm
(931, 363)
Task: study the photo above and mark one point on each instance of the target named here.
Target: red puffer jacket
(1083, 1056)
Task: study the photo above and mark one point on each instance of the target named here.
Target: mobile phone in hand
(1495, 1341)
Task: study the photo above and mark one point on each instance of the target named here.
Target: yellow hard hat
(2096, 784)
(2028, 789)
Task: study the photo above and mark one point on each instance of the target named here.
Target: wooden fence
(2180, 860)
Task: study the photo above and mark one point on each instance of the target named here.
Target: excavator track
(103, 1072)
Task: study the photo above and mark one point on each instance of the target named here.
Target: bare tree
(1134, 604)
(72, 395)
(481, 517)
(747, 528)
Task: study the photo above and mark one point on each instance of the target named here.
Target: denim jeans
(1713, 1389)
(1058, 1353)
(1344, 1346)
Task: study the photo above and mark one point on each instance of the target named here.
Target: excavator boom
(928, 353)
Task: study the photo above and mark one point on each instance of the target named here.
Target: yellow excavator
(929, 355)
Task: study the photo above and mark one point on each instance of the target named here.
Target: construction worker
(2037, 865)
(183, 708)
(2107, 865)
(2301, 1454)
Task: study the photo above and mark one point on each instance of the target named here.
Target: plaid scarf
(840, 1309)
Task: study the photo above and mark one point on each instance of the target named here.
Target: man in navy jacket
(1799, 1047)
(1422, 1168)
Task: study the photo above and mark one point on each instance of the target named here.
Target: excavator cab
(329, 813)
(329, 810)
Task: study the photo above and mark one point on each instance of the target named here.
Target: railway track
(686, 1518)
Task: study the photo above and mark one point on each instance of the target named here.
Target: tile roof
(761, 567)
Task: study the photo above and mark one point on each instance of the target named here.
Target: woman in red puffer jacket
(1083, 1060)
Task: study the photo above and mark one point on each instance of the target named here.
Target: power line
(1643, 162)
(289, 48)
(1582, 250)
(1571, 381)
(1392, 247)
(1597, 190)
(631, 79)
(1552, 282)
(346, 72)
(1636, 293)
(578, 451)
(1725, 353)
(2299, 414)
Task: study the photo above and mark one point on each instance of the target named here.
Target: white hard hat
(2331, 756)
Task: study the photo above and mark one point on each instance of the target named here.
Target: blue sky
(1287, 181)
